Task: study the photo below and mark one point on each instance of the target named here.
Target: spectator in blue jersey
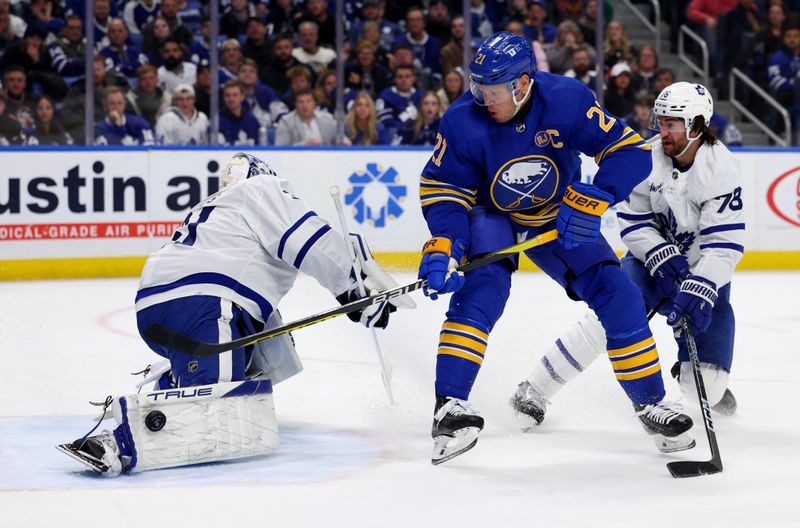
(361, 123)
(120, 55)
(364, 73)
(48, 15)
(306, 125)
(237, 124)
(174, 70)
(397, 106)
(372, 10)
(102, 16)
(257, 46)
(68, 51)
(426, 49)
(537, 27)
(260, 98)
(784, 67)
(233, 22)
(199, 49)
(46, 130)
(483, 19)
(230, 61)
(119, 128)
(32, 56)
(582, 67)
(425, 127)
(148, 99)
(190, 13)
(138, 14)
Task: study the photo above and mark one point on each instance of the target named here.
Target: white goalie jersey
(246, 243)
(701, 211)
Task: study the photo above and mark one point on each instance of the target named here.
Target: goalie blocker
(183, 426)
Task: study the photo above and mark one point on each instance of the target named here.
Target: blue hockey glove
(668, 267)
(695, 300)
(578, 220)
(440, 258)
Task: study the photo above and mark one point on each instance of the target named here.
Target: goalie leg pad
(191, 425)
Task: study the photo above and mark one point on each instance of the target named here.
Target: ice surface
(349, 459)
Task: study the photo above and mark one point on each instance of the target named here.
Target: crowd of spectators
(403, 65)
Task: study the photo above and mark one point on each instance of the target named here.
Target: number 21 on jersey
(606, 122)
(437, 153)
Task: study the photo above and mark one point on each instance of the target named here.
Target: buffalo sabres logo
(541, 139)
(525, 182)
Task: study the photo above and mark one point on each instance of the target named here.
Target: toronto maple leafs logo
(683, 239)
(376, 195)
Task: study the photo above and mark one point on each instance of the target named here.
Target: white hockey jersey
(700, 210)
(246, 243)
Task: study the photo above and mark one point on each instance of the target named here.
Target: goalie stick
(383, 362)
(695, 468)
(172, 340)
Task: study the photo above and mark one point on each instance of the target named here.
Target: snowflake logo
(375, 195)
(683, 240)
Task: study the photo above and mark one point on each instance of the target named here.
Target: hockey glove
(668, 267)
(579, 218)
(695, 300)
(376, 316)
(440, 258)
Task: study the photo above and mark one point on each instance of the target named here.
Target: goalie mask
(242, 166)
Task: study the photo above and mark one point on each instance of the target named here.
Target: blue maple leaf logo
(683, 239)
(376, 195)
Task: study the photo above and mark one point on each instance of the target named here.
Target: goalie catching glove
(375, 281)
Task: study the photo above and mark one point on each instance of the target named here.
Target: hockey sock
(462, 345)
(634, 359)
(568, 356)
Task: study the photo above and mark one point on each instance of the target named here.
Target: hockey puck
(155, 420)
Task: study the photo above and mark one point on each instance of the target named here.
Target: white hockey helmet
(242, 166)
(685, 101)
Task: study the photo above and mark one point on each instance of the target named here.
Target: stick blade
(691, 468)
(161, 335)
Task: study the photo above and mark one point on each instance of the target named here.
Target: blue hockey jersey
(522, 168)
(126, 61)
(396, 109)
(134, 131)
(426, 51)
(783, 68)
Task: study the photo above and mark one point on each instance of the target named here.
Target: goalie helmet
(684, 101)
(242, 166)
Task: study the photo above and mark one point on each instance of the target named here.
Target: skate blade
(525, 423)
(91, 463)
(682, 442)
(447, 447)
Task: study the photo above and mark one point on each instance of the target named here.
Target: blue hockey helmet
(500, 60)
(242, 166)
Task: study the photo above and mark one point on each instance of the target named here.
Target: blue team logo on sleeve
(522, 183)
(376, 195)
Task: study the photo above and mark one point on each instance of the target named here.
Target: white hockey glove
(375, 281)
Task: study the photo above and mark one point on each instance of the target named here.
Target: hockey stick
(695, 468)
(383, 362)
(172, 340)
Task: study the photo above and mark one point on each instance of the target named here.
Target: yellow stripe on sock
(635, 361)
(628, 376)
(462, 341)
(449, 325)
(641, 345)
(461, 354)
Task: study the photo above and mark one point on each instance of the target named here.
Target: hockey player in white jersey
(221, 277)
(684, 229)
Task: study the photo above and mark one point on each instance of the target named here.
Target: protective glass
(666, 123)
(492, 94)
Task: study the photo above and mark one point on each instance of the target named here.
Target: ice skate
(664, 418)
(455, 429)
(529, 406)
(99, 452)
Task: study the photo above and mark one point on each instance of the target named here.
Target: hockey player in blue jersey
(684, 227)
(221, 277)
(505, 167)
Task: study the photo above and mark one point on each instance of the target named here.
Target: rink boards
(84, 212)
